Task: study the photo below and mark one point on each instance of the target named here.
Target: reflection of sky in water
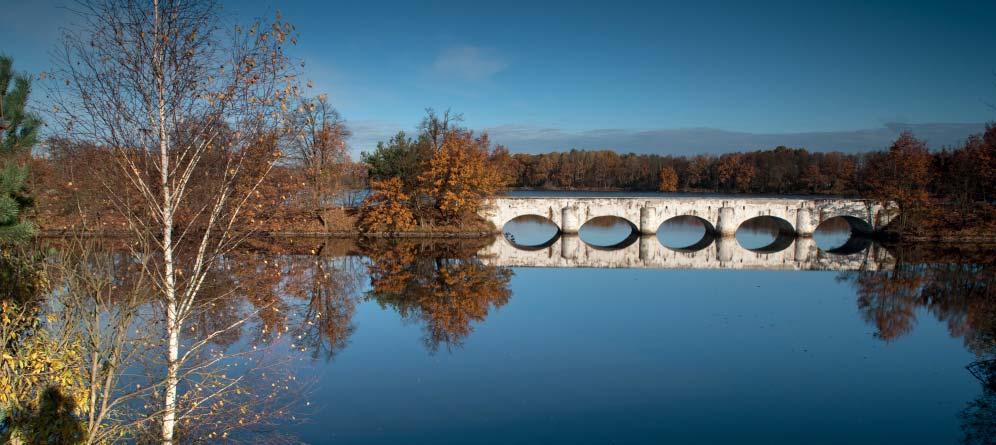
(530, 230)
(605, 231)
(680, 232)
(647, 356)
(832, 233)
(757, 233)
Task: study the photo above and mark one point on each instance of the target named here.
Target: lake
(435, 343)
(605, 337)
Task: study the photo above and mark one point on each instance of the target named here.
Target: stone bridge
(799, 253)
(722, 215)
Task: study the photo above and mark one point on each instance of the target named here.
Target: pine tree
(12, 201)
(18, 134)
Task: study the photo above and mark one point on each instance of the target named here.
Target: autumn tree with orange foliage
(735, 173)
(386, 209)
(669, 180)
(966, 177)
(440, 177)
(902, 174)
(504, 164)
(458, 176)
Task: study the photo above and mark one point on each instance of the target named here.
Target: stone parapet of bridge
(722, 215)
(568, 251)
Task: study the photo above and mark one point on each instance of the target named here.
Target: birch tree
(191, 108)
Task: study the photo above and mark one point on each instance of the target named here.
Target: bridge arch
(590, 216)
(530, 232)
(669, 229)
(857, 231)
(859, 226)
(782, 232)
(608, 232)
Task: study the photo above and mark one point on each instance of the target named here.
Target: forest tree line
(439, 175)
(778, 170)
(781, 170)
(948, 190)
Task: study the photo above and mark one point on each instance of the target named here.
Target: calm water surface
(539, 355)
(411, 342)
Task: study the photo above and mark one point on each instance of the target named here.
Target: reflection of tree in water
(978, 419)
(442, 285)
(328, 287)
(888, 300)
(957, 288)
(311, 298)
(962, 294)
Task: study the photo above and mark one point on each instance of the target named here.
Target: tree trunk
(173, 317)
(169, 413)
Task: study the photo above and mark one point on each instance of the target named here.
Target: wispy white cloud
(468, 63)
(367, 133)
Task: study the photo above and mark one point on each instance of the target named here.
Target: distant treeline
(779, 170)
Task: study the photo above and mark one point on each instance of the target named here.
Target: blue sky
(667, 77)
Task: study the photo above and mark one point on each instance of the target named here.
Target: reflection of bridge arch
(708, 233)
(608, 221)
(784, 234)
(857, 237)
(541, 246)
(525, 219)
(569, 251)
(707, 239)
(854, 244)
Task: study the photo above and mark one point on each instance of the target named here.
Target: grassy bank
(285, 222)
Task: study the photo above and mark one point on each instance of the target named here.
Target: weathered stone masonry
(722, 215)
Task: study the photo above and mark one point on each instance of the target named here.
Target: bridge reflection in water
(787, 253)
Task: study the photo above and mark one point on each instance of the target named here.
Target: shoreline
(293, 234)
(450, 234)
